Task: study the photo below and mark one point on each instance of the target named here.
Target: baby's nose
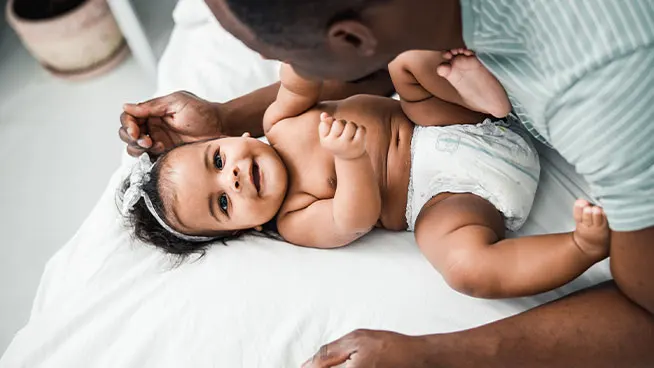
(235, 179)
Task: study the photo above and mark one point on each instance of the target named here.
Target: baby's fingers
(324, 128)
(325, 125)
(349, 131)
(337, 128)
(360, 134)
(326, 117)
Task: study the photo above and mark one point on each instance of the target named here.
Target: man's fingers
(159, 106)
(144, 141)
(134, 150)
(131, 125)
(158, 148)
(329, 355)
(124, 136)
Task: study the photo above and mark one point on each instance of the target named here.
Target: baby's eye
(218, 161)
(222, 201)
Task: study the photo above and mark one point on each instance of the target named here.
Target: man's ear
(348, 36)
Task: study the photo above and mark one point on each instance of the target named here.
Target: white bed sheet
(107, 301)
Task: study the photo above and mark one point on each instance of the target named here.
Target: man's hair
(295, 24)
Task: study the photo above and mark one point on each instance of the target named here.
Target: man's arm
(164, 122)
(596, 327)
(632, 265)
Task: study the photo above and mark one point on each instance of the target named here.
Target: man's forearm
(245, 113)
(596, 327)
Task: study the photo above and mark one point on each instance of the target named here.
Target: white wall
(58, 147)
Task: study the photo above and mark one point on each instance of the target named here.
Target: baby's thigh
(454, 234)
(451, 227)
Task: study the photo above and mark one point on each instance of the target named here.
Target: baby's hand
(346, 140)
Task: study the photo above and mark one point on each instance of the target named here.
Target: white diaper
(494, 160)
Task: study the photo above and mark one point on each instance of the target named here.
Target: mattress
(106, 300)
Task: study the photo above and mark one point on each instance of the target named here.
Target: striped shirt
(580, 75)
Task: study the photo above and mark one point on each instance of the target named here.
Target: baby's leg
(461, 235)
(426, 98)
(478, 88)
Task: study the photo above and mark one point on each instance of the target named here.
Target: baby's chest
(313, 174)
(310, 167)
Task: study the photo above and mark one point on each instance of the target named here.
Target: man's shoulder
(544, 23)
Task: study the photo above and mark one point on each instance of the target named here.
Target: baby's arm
(356, 206)
(469, 93)
(460, 236)
(296, 95)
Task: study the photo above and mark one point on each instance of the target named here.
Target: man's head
(338, 39)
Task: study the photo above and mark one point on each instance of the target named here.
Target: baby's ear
(258, 228)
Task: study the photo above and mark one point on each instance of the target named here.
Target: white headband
(139, 176)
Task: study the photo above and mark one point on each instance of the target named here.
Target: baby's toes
(578, 210)
(444, 70)
(587, 216)
(599, 218)
(448, 55)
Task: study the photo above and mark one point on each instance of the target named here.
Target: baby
(431, 163)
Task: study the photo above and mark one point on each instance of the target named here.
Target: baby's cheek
(255, 213)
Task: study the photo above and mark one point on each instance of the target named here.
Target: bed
(107, 301)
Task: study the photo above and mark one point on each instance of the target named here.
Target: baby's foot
(478, 88)
(592, 234)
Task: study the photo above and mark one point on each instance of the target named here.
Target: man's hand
(165, 122)
(367, 348)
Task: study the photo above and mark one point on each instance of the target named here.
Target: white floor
(58, 147)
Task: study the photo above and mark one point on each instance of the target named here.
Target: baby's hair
(147, 229)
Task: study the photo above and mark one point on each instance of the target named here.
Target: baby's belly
(398, 169)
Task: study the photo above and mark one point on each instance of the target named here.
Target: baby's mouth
(256, 176)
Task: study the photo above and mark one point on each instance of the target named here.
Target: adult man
(579, 74)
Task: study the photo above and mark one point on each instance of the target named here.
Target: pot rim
(74, 15)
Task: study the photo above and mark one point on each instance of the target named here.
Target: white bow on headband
(140, 176)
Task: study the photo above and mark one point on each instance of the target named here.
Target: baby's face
(227, 184)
